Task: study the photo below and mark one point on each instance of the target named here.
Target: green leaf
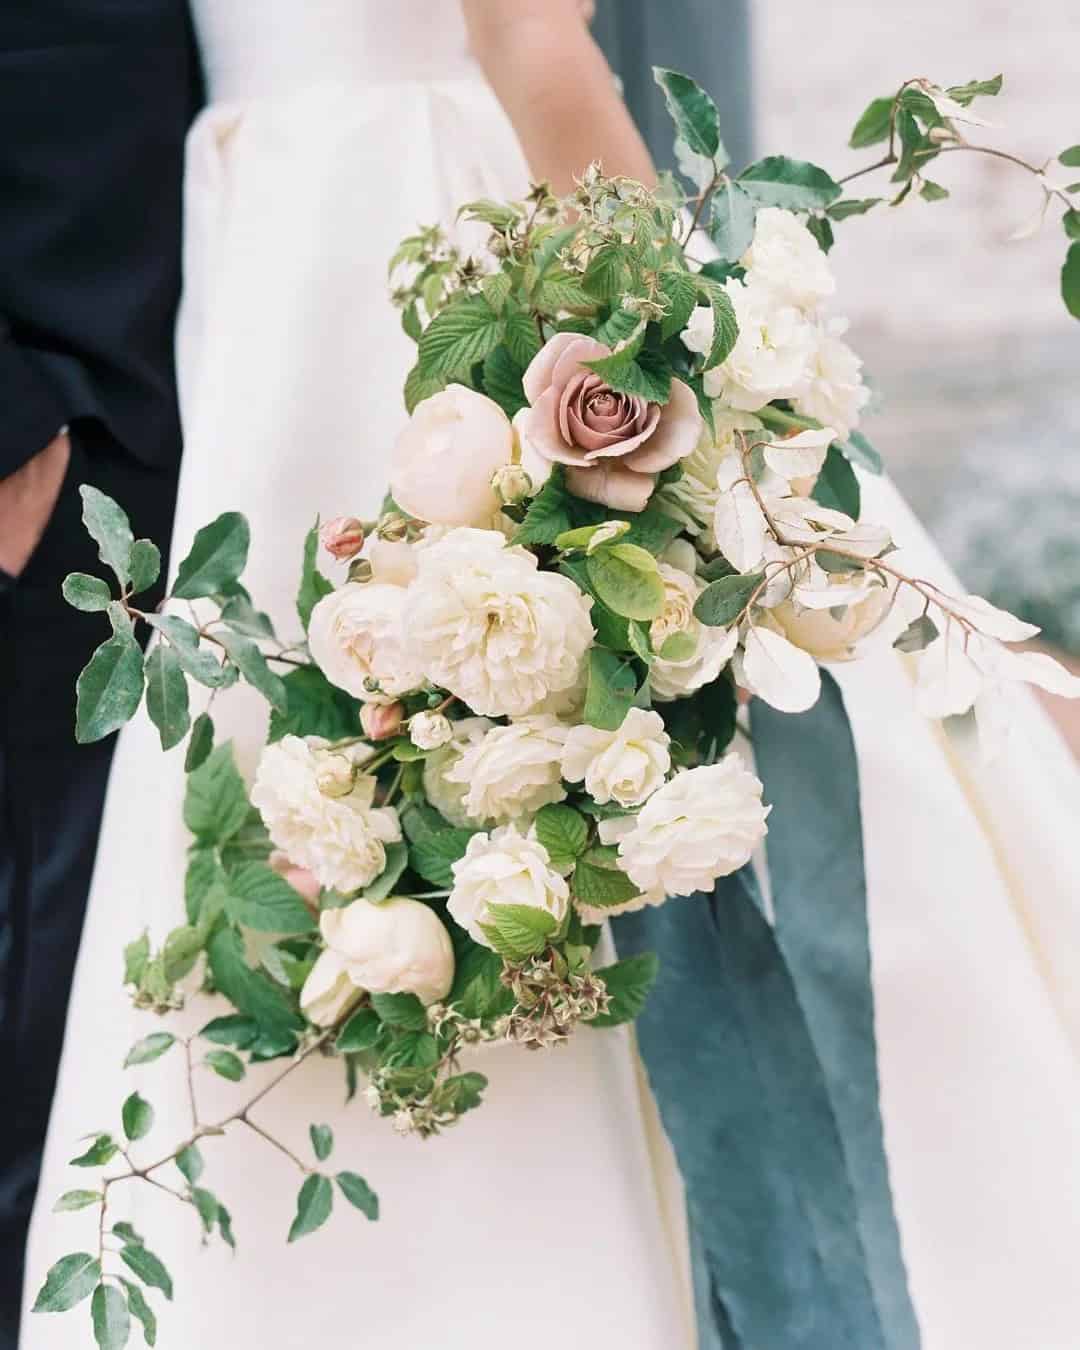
(141, 1310)
(873, 125)
(1071, 223)
(559, 290)
(518, 931)
(1070, 157)
(181, 951)
(502, 381)
(628, 982)
(199, 663)
(109, 688)
(1070, 280)
(695, 115)
(836, 563)
(911, 140)
(918, 635)
(852, 206)
(200, 742)
(463, 1092)
(606, 275)
(126, 1232)
(190, 1162)
(496, 290)
(251, 663)
(678, 647)
(322, 1141)
(651, 530)
(523, 339)
(860, 452)
(226, 1064)
(167, 695)
(109, 1313)
(725, 324)
(964, 93)
(649, 376)
(313, 1206)
(315, 708)
(419, 385)
(822, 231)
(563, 831)
(71, 1201)
(233, 1029)
(137, 1116)
(599, 881)
(548, 514)
(791, 183)
(110, 529)
(836, 486)
(731, 225)
(261, 899)
(242, 616)
(397, 859)
(680, 291)
(313, 585)
(148, 1267)
(356, 1190)
(627, 580)
(403, 1011)
(101, 1151)
(68, 1282)
(611, 689)
(250, 991)
(721, 602)
(207, 1206)
(216, 803)
(360, 1032)
(433, 858)
(458, 336)
(90, 594)
(136, 955)
(932, 192)
(218, 556)
(149, 1048)
(144, 565)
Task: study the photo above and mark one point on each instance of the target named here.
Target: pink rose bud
(381, 720)
(342, 537)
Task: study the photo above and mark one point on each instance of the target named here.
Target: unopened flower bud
(360, 570)
(429, 730)
(381, 720)
(511, 484)
(342, 537)
(393, 526)
(335, 776)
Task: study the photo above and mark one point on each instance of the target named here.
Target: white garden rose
(689, 653)
(504, 868)
(340, 840)
(625, 765)
(446, 797)
(445, 458)
(833, 632)
(772, 354)
(835, 394)
(358, 640)
(393, 561)
(786, 258)
(491, 628)
(430, 730)
(702, 824)
(397, 947)
(512, 771)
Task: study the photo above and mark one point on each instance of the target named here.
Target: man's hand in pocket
(27, 499)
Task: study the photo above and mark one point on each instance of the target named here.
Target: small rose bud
(429, 730)
(393, 526)
(335, 776)
(360, 570)
(511, 484)
(342, 537)
(381, 720)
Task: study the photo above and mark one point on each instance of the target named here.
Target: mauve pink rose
(613, 444)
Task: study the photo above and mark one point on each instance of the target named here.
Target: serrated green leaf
(148, 1267)
(167, 695)
(144, 565)
(90, 594)
(628, 983)
(108, 526)
(103, 1149)
(561, 290)
(216, 803)
(232, 1029)
(837, 486)
(322, 1141)
(181, 951)
(648, 376)
(360, 1032)
(71, 1201)
(420, 385)
(696, 117)
(226, 1064)
(458, 336)
(356, 1190)
(313, 1206)
(606, 275)
(624, 583)
(110, 1317)
(518, 931)
(250, 991)
(261, 899)
(523, 339)
(149, 1048)
(433, 858)
(731, 222)
(873, 125)
(403, 1011)
(137, 1116)
(200, 742)
(563, 831)
(109, 689)
(141, 1311)
(721, 602)
(218, 555)
(598, 881)
(68, 1282)
(502, 381)
(725, 324)
(136, 955)
(496, 290)
(680, 291)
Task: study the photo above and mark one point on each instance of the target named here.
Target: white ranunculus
(358, 639)
(430, 730)
(835, 393)
(702, 824)
(397, 947)
(786, 258)
(504, 868)
(691, 499)
(445, 458)
(695, 653)
(340, 840)
(446, 797)
(626, 765)
(512, 771)
(493, 629)
(772, 354)
(858, 611)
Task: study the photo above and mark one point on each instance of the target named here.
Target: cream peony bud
(381, 720)
(342, 537)
(504, 868)
(445, 458)
(511, 484)
(336, 775)
(430, 730)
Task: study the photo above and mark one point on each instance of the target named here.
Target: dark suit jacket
(95, 99)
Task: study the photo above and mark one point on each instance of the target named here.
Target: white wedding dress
(552, 1215)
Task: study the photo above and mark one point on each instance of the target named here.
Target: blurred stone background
(964, 335)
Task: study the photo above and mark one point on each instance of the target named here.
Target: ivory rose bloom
(689, 653)
(785, 257)
(614, 444)
(448, 798)
(828, 638)
(430, 730)
(358, 640)
(491, 628)
(626, 765)
(340, 840)
(504, 868)
(446, 456)
(512, 771)
(397, 947)
(702, 824)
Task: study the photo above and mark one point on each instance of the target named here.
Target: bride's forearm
(556, 88)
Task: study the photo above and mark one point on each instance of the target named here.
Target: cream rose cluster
(626, 765)
(504, 867)
(340, 839)
(511, 771)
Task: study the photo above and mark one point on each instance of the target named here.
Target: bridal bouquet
(627, 495)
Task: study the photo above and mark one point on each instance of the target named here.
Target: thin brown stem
(282, 1148)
